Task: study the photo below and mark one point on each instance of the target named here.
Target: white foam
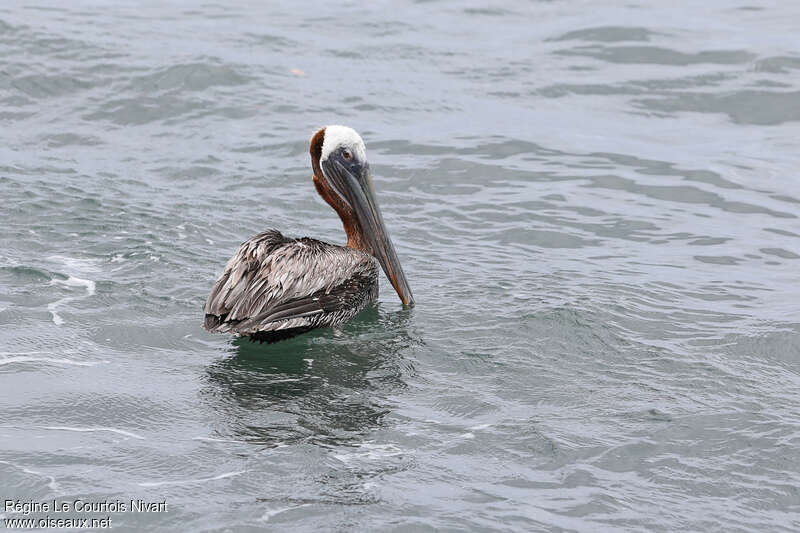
(75, 264)
(211, 439)
(369, 452)
(51, 484)
(57, 320)
(71, 281)
(190, 481)
(338, 136)
(274, 512)
(28, 359)
(92, 430)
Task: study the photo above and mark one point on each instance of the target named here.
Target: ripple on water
(596, 209)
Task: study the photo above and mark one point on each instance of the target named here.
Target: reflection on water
(317, 388)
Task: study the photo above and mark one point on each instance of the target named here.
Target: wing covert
(274, 283)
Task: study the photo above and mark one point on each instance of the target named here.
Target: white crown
(338, 136)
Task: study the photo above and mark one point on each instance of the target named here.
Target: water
(596, 207)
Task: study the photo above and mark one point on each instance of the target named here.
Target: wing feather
(274, 283)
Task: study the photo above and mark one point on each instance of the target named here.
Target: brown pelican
(275, 287)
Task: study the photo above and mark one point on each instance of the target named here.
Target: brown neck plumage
(355, 236)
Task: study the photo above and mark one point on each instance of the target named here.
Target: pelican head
(342, 177)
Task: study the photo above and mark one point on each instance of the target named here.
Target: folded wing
(274, 288)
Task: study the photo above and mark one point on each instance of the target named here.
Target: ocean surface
(597, 208)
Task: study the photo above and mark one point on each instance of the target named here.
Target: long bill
(355, 185)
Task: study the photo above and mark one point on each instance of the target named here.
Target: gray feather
(275, 284)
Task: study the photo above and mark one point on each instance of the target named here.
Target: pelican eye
(347, 154)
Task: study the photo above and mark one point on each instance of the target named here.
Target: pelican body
(276, 287)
